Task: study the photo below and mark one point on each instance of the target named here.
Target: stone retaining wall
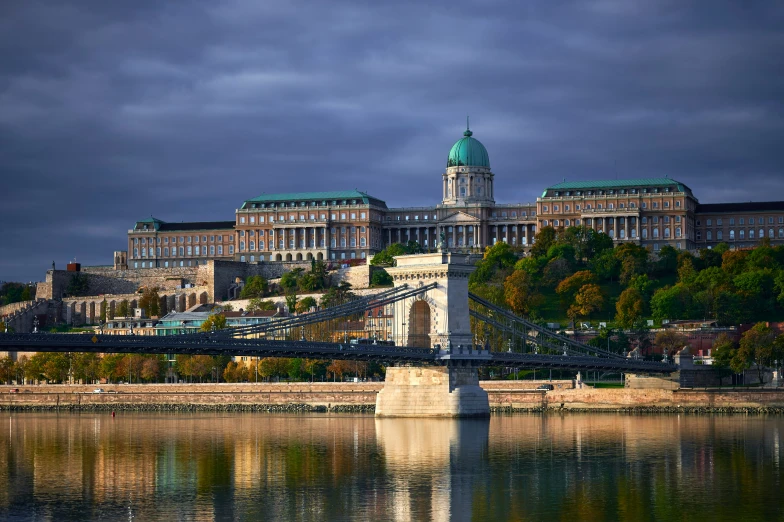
(503, 396)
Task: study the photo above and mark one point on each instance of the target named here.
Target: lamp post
(35, 325)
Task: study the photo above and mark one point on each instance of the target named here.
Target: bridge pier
(432, 391)
(452, 388)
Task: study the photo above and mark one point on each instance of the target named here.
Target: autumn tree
(338, 368)
(569, 287)
(213, 322)
(629, 308)
(519, 292)
(589, 299)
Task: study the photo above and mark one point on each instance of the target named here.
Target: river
(355, 467)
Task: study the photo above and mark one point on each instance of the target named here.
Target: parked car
(14, 390)
(98, 390)
(546, 387)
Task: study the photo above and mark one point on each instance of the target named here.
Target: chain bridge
(434, 331)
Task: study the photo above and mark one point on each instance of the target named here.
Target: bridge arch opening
(419, 325)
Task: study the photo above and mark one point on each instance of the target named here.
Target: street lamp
(35, 325)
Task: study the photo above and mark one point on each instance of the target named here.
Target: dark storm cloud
(112, 111)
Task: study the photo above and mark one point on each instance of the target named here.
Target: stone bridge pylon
(438, 319)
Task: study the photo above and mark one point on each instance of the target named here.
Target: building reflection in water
(442, 455)
(320, 467)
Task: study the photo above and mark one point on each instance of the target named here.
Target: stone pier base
(432, 391)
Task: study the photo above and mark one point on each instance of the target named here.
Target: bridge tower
(438, 319)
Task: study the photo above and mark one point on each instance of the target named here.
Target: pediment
(460, 217)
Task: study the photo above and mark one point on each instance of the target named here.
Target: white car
(98, 390)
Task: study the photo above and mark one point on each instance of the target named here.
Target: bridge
(440, 334)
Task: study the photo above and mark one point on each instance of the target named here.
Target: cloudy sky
(113, 111)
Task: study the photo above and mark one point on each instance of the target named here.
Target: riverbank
(504, 396)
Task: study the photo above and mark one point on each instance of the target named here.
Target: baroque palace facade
(343, 225)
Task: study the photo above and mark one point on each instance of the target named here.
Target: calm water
(264, 467)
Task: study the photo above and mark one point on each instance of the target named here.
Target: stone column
(626, 223)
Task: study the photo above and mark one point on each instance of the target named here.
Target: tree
(305, 304)
(734, 261)
(589, 299)
(543, 240)
(670, 302)
(669, 341)
(104, 307)
(605, 265)
(387, 256)
(380, 277)
(270, 367)
(555, 271)
(291, 300)
(519, 292)
(255, 287)
(123, 309)
(758, 346)
(723, 350)
(290, 280)
(86, 366)
(7, 369)
(150, 302)
(562, 251)
(256, 305)
(151, 368)
(213, 322)
(569, 286)
(668, 260)
(497, 257)
(338, 368)
(629, 308)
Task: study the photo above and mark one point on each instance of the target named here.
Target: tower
(468, 178)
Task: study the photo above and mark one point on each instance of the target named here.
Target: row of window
(182, 239)
(741, 234)
(760, 221)
(303, 217)
(654, 190)
(183, 251)
(292, 244)
(610, 206)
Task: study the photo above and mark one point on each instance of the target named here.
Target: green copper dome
(468, 152)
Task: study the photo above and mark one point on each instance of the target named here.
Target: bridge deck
(217, 344)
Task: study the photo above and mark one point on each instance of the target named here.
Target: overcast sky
(112, 111)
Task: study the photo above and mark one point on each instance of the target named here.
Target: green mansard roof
(318, 197)
(617, 184)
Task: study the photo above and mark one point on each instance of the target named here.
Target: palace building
(343, 225)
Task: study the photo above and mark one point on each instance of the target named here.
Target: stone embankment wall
(503, 396)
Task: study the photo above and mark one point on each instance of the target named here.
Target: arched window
(655, 233)
(362, 241)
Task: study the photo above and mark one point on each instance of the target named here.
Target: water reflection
(204, 467)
